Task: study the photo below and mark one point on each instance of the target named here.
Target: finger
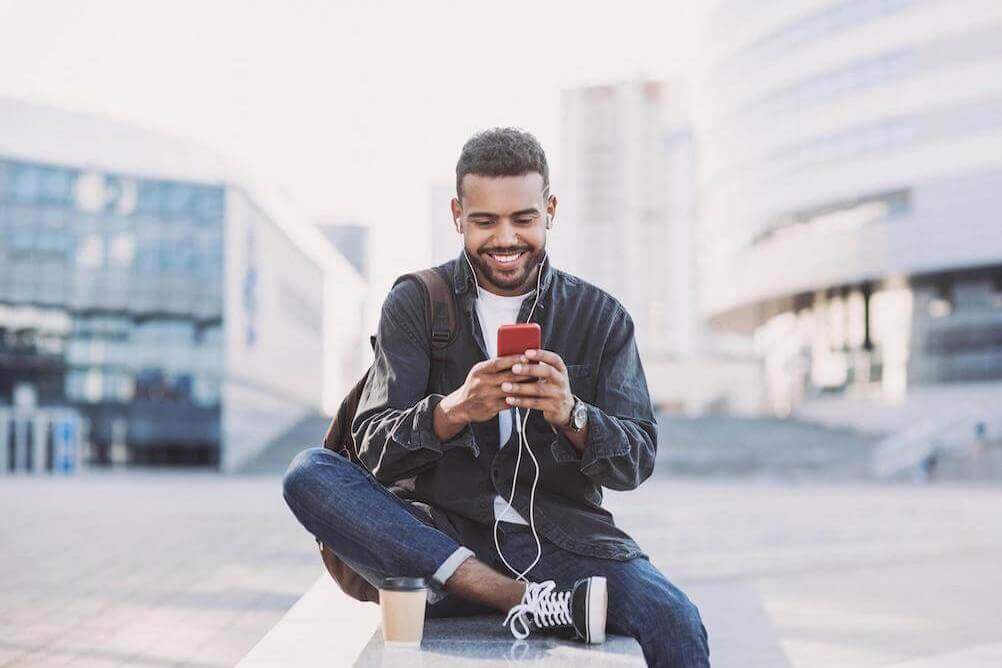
(495, 365)
(498, 391)
(539, 370)
(547, 356)
(495, 393)
(530, 402)
(531, 389)
(496, 380)
(499, 364)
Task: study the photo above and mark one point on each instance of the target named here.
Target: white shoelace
(548, 608)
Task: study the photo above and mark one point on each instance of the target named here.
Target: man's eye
(525, 221)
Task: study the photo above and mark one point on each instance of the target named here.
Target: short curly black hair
(501, 152)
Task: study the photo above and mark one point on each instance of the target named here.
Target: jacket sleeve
(393, 427)
(622, 430)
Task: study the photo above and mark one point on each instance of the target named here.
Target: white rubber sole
(598, 605)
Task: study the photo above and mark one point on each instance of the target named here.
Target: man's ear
(457, 215)
(551, 210)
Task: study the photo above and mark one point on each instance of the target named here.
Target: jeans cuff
(445, 572)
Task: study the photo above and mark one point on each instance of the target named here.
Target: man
(444, 433)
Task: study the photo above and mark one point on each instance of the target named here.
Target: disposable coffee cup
(401, 603)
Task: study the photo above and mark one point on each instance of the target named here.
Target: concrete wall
(815, 104)
(273, 331)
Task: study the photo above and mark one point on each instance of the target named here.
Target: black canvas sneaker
(578, 612)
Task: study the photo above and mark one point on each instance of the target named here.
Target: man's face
(503, 222)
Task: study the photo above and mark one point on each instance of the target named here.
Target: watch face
(580, 415)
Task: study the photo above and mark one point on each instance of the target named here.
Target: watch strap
(571, 425)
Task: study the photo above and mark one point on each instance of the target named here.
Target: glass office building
(850, 178)
(112, 290)
(182, 318)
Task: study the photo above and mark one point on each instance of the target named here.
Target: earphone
(523, 443)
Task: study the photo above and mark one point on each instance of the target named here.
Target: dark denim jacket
(458, 478)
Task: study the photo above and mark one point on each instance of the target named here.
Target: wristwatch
(579, 416)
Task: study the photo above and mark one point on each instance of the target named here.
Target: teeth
(505, 259)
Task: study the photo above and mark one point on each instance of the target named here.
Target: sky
(354, 109)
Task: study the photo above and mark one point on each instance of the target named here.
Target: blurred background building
(849, 184)
(352, 240)
(445, 241)
(185, 314)
(626, 222)
(613, 199)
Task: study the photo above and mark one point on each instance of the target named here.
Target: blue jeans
(379, 535)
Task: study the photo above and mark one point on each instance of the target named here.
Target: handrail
(906, 450)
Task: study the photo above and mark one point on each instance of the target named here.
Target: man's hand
(551, 395)
(479, 398)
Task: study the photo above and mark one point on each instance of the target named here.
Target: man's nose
(506, 237)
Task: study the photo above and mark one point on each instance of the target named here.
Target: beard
(515, 279)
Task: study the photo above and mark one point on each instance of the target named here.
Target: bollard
(64, 446)
(21, 436)
(38, 426)
(45, 441)
(6, 443)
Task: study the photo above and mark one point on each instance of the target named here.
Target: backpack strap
(440, 307)
(440, 318)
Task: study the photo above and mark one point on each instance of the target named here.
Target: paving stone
(98, 567)
(107, 566)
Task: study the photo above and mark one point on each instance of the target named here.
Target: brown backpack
(440, 317)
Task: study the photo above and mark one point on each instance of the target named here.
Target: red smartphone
(516, 339)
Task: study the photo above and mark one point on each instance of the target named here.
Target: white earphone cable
(520, 426)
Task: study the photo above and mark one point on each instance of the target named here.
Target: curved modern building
(850, 191)
(186, 313)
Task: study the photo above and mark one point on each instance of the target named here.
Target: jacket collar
(463, 278)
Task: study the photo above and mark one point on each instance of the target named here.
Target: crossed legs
(378, 535)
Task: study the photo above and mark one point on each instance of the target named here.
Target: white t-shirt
(493, 311)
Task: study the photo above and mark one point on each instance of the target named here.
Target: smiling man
(507, 262)
(442, 430)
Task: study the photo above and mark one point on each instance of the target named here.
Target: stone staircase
(275, 457)
(768, 447)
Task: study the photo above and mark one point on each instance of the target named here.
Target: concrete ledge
(327, 628)
(484, 641)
